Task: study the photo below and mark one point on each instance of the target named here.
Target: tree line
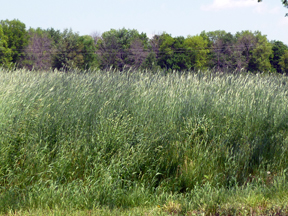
(43, 49)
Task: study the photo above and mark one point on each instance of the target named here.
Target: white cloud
(264, 9)
(227, 4)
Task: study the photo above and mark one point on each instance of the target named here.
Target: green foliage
(223, 48)
(173, 53)
(213, 36)
(260, 54)
(246, 42)
(150, 63)
(114, 47)
(205, 142)
(17, 37)
(5, 52)
(198, 51)
(69, 51)
(38, 54)
(55, 35)
(127, 49)
(89, 52)
(246, 50)
(284, 62)
(278, 51)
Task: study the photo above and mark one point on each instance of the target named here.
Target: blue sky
(178, 18)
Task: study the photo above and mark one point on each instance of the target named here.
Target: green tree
(55, 35)
(39, 51)
(138, 52)
(17, 37)
(284, 62)
(197, 51)
(213, 36)
(109, 51)
(150, 62)
(261, 54)
(117, 48)
(245, 43)
(166, 52)
(68, 51)
(253, 51)
(88, 52)
(278, 48)
(5, 52)
(172, 53)
(221, 45)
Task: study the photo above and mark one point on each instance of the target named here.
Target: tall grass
(111, 139)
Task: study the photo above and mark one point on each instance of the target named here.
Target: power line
(108, 50)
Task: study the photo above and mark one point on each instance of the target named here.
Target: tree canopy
(123, 49)
(5, 52)
(16, 37)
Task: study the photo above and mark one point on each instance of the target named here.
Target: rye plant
(95, 139)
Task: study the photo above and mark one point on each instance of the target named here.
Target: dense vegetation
(45, 49)
(111, 142)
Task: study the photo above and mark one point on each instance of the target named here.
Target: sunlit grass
(110, 141)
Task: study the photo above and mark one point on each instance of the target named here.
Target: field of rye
(138, 143)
